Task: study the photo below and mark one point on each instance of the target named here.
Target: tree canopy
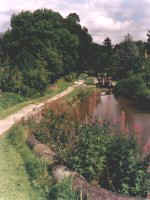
(42, 46)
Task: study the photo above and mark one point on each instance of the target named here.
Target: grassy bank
(87, 149)
(25, 169)
(11, 102)
(15, 182)
(25, 176)
(79, 94)
(92, 150)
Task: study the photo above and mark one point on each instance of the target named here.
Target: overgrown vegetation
(79, 94)
(64, 191)
(113, 161)
(134, 87)
(37, 171)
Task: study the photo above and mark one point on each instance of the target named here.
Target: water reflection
(122, 114)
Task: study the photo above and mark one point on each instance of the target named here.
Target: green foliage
(89, 155)
(126, 58)
(71, 77)
(37, 170)
(83, 76)
(131, 87)
(135, 88)
(63, 191)
(15, 183)
(80, 94)
(62, 84)
(146, 72)
(125, 172)
(42, 46)
(114, 161)
(9, 99)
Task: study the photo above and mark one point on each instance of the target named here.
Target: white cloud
(103, 18)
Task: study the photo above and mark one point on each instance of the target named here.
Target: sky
(103, 18)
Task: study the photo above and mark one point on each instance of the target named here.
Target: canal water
(120, 113)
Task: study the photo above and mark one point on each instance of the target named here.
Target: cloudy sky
(112, 18)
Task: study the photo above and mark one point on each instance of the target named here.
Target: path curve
(8, 122)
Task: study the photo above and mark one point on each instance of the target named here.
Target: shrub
(9, 99)
(125, 172)
(114, 161)
(89, 155)
(63, 191)
(134, 88)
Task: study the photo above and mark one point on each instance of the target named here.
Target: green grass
(79, 94)
(11, 103)
(23, 175)
(14, 180)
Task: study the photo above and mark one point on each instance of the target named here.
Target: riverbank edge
(59, 173)
(78, 181)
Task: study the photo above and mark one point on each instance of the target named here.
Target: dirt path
(8, 122)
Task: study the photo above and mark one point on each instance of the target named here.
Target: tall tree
(127, 58)
(43, 36)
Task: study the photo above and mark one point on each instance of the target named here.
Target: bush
(10, 99)
(89, 155)
(134, 88)
(113, 161)
(125, 172)
(63, 191)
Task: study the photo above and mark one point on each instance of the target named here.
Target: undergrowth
(113, 161)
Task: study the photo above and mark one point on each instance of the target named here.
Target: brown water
(120, 113)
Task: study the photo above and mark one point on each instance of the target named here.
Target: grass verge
(11, 103)
(15, 183)
(79, 94)
(23, 175)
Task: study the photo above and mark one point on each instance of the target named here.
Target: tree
(100, 59)
(84, 38)
(127, 58)
(148, 42)
(43, 36)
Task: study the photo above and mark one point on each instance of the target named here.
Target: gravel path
(8, 122)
